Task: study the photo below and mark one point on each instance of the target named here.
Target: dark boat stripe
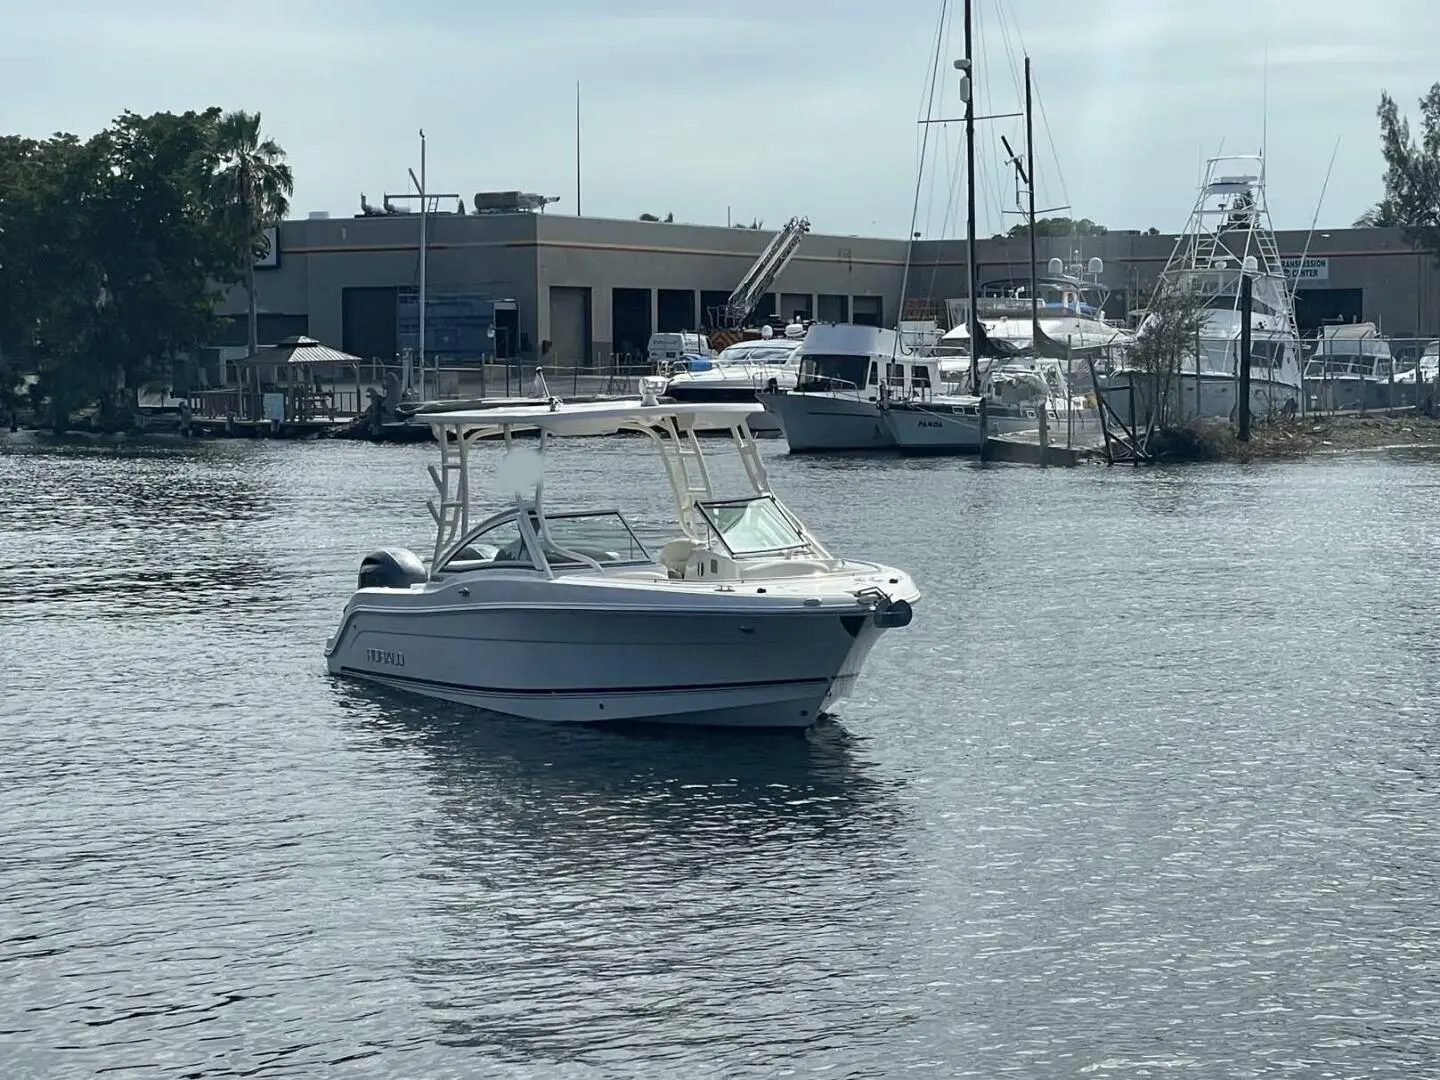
(679, 688)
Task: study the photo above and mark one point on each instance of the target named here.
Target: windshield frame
(801, 543)
(533, 527)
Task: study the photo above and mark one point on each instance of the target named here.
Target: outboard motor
(392, 568)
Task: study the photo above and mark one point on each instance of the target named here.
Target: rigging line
(1049, 133)
(1032, 159)
(1050, 141)
(940, 37)
(997, 169)
(952, 206)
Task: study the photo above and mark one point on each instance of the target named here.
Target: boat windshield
(604, 536)
(752, 526)
(822, 373)
(755, 354)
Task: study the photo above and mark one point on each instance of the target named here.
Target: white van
(666, 349)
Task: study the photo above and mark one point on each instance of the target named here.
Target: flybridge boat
(1069, 312)
(743, 619)
(1351, 368)
(844, 371)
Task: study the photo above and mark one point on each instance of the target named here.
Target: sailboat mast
(968, 84)
(1030, 177)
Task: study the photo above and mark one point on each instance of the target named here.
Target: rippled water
(1149, 788)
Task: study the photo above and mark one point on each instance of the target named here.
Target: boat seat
(675, 554)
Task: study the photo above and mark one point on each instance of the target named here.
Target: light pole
(422, 193)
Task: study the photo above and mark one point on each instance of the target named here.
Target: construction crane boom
(762, 274)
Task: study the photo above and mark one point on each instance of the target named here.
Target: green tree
(1059, 227)
(113, 255)
(1164, 345)
(254, 185)
(49, 275)
(1412, 172)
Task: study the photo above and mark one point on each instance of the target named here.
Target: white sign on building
(271, 258)
(1314, 272)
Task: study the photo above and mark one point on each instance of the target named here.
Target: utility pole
(1247, 304)
(421, 192)
(577, 147)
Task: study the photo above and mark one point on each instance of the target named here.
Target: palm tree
(255, 184)
(1380, 215)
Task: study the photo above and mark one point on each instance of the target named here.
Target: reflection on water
(1147, 788)
(586, 877)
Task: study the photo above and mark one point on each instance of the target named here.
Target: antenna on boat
(1265, 106)
(1305, 254)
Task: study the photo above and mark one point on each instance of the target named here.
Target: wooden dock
(234, 428)
(1025, 448)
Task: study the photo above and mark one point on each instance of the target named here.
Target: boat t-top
(742, 619)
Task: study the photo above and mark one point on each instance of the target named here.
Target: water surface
(1149, 788)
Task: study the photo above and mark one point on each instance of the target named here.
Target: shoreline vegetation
(116, 250)
(1305, 436)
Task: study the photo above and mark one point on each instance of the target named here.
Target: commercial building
(581, 290)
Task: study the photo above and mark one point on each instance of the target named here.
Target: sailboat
(848, 373)
(1008, 392)
(1228, 237)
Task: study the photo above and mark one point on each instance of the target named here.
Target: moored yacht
(1014, 394)
(743, 619)
(844, 368)
(1229, 237)
(1069, 311)
(740, 371)
(1350, 368)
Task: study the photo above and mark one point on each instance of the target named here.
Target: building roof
(297, 350)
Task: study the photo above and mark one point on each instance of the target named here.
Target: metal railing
(1337, 382)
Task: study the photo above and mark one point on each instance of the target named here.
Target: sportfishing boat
(1228, 237)
(741, 371)
(743, 619)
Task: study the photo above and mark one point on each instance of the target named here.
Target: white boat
(844, 369)
(1426, 368)
(744, 619)
(1070, 312)
(1229, 235)
(1350, 368)
(741, 371)
(1015, 393)
(832, 405)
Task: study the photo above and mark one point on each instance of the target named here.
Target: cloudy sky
(755, 108)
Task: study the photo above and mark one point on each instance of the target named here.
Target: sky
(756, 109)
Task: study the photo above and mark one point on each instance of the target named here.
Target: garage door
(569, 326)
(868, 310)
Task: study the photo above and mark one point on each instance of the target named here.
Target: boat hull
(1340, 394)
(761, 423)
(1217, 397)
(930, 428)
(816, 423)
(745, 667)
